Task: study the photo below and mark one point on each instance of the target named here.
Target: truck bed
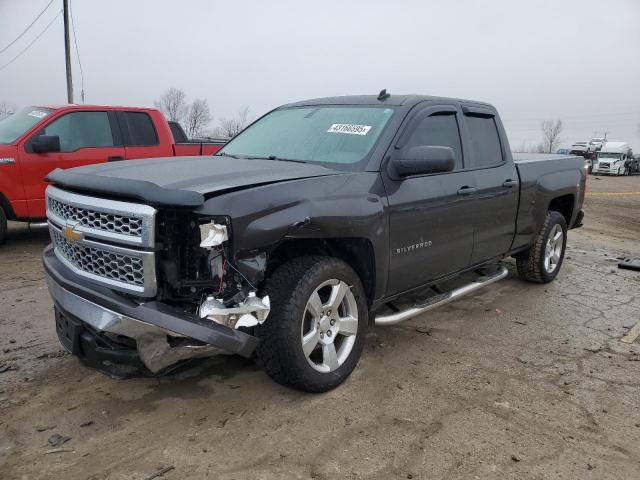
(544, 177)
(542, 157)
(196, 148)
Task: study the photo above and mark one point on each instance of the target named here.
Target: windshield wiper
(225, 154)
(248, 157)
(275, 157)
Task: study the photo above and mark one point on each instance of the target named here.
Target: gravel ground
(518, 381)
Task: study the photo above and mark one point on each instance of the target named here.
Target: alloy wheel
(329, 325)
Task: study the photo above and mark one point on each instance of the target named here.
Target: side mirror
(46, 144)
(423, 161)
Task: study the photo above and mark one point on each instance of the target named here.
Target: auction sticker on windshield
(38, 114)
(349, 129)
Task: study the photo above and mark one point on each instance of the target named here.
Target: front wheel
(542, 262)
(315, 332)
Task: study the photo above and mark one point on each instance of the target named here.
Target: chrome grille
(101, 218)
(102, 263)
(109, 222)
(103, 240)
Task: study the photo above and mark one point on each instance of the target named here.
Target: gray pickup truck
(321, 218)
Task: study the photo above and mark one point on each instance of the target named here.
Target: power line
(75, 42)
(30, 25)
(32, 42)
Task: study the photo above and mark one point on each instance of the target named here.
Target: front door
(85, 137)
(431, 229)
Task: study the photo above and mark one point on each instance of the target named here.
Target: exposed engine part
(217, 266)
(248, 313)
(212, 234)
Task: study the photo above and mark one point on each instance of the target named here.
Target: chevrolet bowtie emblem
(71, 234)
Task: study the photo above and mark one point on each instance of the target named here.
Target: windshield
(341, 136)
(608, 155)
(13, 126)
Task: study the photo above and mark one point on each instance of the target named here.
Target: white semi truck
(612, 158)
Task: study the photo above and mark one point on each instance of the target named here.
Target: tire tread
(530, 264)
(274, 353)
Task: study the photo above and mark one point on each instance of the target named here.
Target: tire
(537, 264)
(291, 321)
(3, 226)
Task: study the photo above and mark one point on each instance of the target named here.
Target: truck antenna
(383, 95)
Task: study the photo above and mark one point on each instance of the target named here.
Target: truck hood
(182, 181)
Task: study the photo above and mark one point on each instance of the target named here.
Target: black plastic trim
(144, 191)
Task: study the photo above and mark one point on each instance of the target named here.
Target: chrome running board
(441, 299)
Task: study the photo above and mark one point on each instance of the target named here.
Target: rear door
(497, 191)
(140, 136)
(86, 137)
(431, 228)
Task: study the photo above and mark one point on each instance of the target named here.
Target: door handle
(114, 159)
(509, 183)
(466, 190)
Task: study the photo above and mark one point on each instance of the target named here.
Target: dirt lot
(517, 381)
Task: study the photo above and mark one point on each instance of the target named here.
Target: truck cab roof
(392, 100)
(75, 106)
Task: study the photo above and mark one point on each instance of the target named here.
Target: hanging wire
(32, 42)
(30, 25)
(75, 42)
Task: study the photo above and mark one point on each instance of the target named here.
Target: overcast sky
(575, 60)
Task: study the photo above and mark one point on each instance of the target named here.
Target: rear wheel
(542, 262)
(3, 226)
(315, 332)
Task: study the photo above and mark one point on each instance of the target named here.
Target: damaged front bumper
(117, 335)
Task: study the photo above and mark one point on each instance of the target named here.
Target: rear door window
(485, 141)
(140, 129)
(438, 130)
(81, 130)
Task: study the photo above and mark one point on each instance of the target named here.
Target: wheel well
(563, 205)
(6, 206)
(356, 252)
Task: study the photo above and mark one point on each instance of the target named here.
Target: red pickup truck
(37, 140)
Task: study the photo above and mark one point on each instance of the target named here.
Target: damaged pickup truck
(321, 218)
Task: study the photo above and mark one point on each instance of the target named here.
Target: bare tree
(551, 135)
(6, 108)
(198, 117)
(230, 127)
(173, 104)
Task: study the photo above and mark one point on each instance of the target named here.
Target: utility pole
(67, 50)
